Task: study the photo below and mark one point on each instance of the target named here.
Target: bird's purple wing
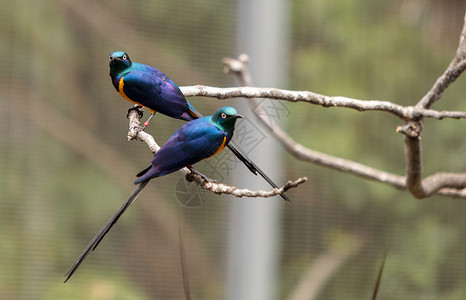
(193, 142)
(149, 87)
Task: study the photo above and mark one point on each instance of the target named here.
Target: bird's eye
(223, 115)
(124, 57)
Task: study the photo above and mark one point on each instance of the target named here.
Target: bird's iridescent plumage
(147, 86)
(193, 142)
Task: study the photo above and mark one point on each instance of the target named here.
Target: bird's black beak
(237, 116)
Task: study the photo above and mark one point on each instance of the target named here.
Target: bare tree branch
(454, 70)
(422, 188)
(403, 112)
(135, 133)
(200, 179)
(220, 188)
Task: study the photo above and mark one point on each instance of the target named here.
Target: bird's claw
(194, 172)
(138, 109)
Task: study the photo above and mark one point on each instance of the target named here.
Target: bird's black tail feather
(101, 234)
(143, 171)
(247, 162)
(255, 169)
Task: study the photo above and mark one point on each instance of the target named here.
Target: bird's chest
(222, 145)
(226, 139)
(119, 84)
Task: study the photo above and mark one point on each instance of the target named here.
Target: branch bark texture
(403, 112)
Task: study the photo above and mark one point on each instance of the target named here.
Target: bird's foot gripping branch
(138, 109)
(191, 177)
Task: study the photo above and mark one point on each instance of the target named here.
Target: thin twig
(454, 70)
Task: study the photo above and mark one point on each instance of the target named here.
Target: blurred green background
(66, 166)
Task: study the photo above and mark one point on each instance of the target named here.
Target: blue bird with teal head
(193, 142)
(196, 140)
(146, 86)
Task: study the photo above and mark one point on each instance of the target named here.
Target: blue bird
(196, 140)
(146, 86)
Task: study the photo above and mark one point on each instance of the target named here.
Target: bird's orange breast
(221, 146)
(121, 85)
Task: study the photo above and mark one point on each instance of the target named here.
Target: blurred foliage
(55, 193)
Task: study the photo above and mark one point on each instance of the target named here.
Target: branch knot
(411, 129)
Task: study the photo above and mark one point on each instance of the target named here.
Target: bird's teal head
(225, 118)
(119, 61)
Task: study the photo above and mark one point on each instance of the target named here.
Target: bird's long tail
(255, 169)
(247, 162)
(101, 234)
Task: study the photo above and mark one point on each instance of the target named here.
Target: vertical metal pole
(255, 223)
